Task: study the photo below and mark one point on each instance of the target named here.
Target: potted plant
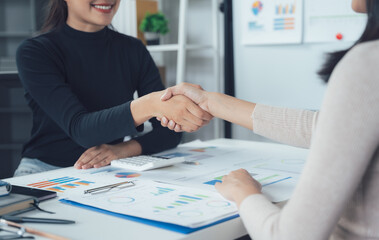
(154, 25)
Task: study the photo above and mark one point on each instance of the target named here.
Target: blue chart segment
(57, 188)
(64, 179)
(280, 180)
(213, 182)
(175, 154)
(162, 191)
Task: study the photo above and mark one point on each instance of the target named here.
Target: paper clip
(109, 187)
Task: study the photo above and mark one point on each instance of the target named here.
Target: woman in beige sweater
(337, 196)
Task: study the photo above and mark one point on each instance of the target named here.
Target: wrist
(153, 104)
(241, 195)
(128, 149)
(211, 99)
(145, 107)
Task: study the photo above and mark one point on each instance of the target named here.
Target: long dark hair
(57, 13)
(371, 32)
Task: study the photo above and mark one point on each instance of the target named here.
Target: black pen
(36, 220)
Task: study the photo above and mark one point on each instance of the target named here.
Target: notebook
(16, 203)
(39, 194)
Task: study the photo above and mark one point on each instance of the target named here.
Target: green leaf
(155, 22)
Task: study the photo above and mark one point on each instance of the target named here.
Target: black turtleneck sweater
(79, 86)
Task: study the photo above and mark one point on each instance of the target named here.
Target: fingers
(185, 113)
(104, 162)
(178, 128)
(218, 186)
(193, 115)
(199, 113)
(189, 126)
(188, 123)
(86, 157)
(167, 94)
(96, 161)
(96, 157)
(178, 89)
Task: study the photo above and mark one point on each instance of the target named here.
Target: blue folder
(167, 226)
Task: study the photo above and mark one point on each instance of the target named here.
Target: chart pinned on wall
(332, 21)
(271, 21)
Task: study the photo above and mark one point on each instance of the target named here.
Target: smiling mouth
(103, 7)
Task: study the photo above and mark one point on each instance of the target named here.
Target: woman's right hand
(193, 92)
(183, 111)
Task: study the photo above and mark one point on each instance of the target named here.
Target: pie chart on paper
(127, 175)
(257, 7)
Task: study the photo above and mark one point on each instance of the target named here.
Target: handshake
(188, 110)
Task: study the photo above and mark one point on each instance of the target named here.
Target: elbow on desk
(84, 135)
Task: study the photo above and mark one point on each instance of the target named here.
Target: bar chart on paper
(61, 184)
(162, 202)
(271, 21)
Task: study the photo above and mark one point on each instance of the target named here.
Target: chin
(103, 23)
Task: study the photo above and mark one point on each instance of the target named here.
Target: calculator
(145, 162)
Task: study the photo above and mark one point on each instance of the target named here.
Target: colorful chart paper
(127, 175)
(271, 21)
(61, 184)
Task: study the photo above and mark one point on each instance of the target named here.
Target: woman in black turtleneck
(79, 79)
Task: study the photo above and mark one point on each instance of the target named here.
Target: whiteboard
(279, 75)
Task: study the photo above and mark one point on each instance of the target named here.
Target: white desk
(93, 225)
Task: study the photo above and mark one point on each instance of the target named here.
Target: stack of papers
(183, 194)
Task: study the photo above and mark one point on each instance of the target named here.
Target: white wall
(281, 75)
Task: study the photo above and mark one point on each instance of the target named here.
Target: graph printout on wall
(271, 21)
(332, 21)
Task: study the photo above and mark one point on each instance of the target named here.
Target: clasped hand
(184, 112)
(191, 91)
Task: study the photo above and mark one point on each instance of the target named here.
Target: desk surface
(94, 225)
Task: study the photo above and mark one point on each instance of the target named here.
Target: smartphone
(40, 194)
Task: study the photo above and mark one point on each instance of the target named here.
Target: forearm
(231, 109)
(95, 128)
(290, 126)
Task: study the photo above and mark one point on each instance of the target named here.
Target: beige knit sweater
(337, 196)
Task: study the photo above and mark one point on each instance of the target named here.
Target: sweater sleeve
(343, 146)
(149, 80)
(290, 126)
(44, 80)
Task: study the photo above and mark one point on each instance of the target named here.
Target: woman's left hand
(98, 156)
(238, 185)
